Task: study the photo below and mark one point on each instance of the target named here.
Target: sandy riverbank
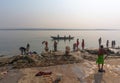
(85, 72)
(77, 68)
(75, 73)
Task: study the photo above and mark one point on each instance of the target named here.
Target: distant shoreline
(31, 29)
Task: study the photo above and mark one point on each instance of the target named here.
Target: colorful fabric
(100, 59)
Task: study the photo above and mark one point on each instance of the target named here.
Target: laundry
(41, 73)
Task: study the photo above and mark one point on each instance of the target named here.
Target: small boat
(62, 38)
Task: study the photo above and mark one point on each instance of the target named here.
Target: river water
(11, 40)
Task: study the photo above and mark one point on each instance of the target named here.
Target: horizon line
(59, 29)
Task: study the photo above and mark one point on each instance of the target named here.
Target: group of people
(101, 51)
(76, 45)
(25, 50)
(46, 45)
(113, 43)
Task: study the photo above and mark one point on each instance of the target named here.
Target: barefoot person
(77, 43)
(83, 44)
(27, 48)
(107, 44)
(100, 59)
(74, 47)
(55, 46)
(100, 41)
(46, 45)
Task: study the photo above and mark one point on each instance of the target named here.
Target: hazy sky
(60, 13)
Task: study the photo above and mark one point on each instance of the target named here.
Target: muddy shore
(77, 67)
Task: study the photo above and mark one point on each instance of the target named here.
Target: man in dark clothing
(55, 46)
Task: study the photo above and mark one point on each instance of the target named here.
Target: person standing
(100, 41)
(27, 48)
(83, 44)
(58, 36)
(114, 43)
(111, 44)
(55, 46)
(100, 59)
(77, 44)
(74, 47)
(46, 44)
(107, 44)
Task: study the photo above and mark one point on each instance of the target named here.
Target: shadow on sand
(98, 78)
